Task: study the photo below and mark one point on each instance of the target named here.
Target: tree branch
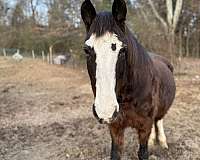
(145, 16)
(157, 15)
(177, 12)
(169, 6)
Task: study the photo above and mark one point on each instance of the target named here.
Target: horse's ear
(88, 13)
(119, 12)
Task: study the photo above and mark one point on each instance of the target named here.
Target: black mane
(140, 69)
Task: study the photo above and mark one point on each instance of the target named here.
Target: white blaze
(106, 59)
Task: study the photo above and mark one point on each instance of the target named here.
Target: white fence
(48, 57)
(57, 58)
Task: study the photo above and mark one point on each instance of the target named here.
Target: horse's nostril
(101, 121)
(105, 121)
(119, 99)
(95, 113)
(115, 113)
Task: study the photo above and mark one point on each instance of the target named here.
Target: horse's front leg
(117, 135)
(144, 134)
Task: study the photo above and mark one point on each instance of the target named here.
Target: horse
(131, 87)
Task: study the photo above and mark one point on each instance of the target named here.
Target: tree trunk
(172, 47)
(33, 9)
(187, 46)
(198, 46)
(180, 44)
(170, 24)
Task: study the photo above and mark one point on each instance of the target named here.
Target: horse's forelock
(104, 22)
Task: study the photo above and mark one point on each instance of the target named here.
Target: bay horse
(131, 87)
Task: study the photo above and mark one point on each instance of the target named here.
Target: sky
(41, 9)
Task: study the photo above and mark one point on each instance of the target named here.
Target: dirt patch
(45, 114)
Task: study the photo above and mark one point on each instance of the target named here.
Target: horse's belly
(167, 90)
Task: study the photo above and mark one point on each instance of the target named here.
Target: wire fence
(28, 54)
(52, 58)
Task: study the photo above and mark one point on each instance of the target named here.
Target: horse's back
(162, 59)
(167, 88)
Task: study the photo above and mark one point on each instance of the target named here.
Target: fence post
(33, 54)
(4, 52)
(43, 56)
(51, 54)
(48, 58)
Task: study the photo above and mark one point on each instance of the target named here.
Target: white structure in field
(60, 59)
(17, 56)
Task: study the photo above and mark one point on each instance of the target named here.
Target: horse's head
(106, 52)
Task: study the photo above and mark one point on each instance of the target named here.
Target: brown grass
(45, 114)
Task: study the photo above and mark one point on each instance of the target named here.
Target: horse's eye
(121, 54)
(87, 50)
(122, 51)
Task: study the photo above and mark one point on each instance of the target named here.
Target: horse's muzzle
(101, 120)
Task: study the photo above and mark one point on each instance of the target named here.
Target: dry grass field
(45, 114)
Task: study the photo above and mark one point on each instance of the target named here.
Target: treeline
(167, 27)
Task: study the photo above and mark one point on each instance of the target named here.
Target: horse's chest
(133, 116)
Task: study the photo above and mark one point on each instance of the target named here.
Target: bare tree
(33, 7)
(170, 23)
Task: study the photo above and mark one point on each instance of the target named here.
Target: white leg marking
(161, 134)
(152, 137)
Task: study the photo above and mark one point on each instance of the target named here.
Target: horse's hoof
(164, 144)
(151, 143)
